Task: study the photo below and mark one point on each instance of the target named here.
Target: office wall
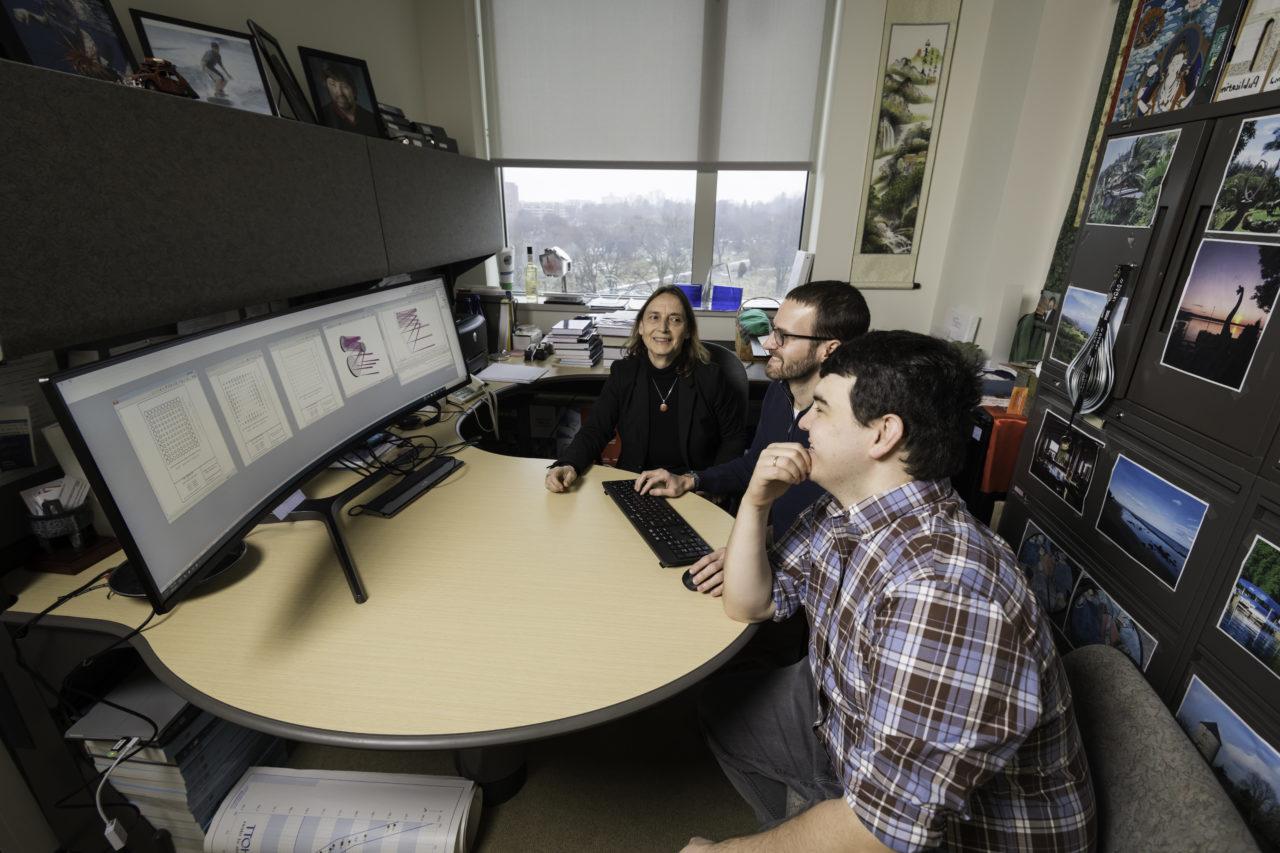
(1014, 123)
(384, 34)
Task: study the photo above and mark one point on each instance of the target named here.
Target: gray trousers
(759, 726)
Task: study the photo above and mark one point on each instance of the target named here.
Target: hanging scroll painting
(915, 62)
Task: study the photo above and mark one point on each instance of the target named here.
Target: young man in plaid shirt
(932, 709)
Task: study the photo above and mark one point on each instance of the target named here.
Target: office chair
(734, 373)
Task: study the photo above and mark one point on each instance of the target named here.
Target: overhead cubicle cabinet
(1208, 364)
(1102, 244)
(126, 210)
(1081, 603)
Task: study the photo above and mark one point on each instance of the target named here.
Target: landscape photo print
(1078, 318)
(1150, 519)
(1248, 198)
(1223, 311)
(1252, 614)
(1130, 178)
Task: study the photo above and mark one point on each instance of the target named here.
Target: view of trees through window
(629, 231)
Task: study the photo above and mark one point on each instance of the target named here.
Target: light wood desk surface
(498, 613)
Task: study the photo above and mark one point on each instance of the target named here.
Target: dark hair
(927, 382)
(692, 351)
(338, 72)
(842, 310)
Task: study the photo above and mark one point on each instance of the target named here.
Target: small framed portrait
(77, 36)
(278, 70)
(342, 91)
(221, 65)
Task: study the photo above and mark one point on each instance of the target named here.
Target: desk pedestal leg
(499, 770)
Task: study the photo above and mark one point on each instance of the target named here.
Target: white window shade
(772, 53)
(604, 81)
(583, 80)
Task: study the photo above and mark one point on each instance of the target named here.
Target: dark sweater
(711, 421)
(778, 422)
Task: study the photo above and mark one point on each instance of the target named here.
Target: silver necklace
(662, 406)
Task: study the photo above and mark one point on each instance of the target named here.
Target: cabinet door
(1208, 361)
(1080, 604)
(1127, 220)
(1241, 623)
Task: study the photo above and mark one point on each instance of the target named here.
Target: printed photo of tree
(903, 138)
(1249, 198)
(1129, 181)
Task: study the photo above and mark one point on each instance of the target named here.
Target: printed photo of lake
(1150, 519)
(1080, 312)
(1252, 614)
(1246, 766)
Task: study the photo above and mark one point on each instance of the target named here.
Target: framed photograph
(1150, 519)
(1050, 573)
(81, 37)
(1245, 764)
(1251, 616)
(221, 65)
(1223, 311)
(1080, 312)
(1094, 618)
(279, 71)
(1064, 459)
(342, 92)
(1130, 179)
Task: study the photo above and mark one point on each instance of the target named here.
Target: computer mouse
(687, 577)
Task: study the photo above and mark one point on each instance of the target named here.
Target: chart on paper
(330, 811)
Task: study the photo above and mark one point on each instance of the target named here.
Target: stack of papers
(65, 494)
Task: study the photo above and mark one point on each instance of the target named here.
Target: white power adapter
(116, 836)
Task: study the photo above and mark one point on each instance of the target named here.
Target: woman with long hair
(668, 401)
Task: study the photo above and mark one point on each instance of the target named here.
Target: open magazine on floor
(277, 809)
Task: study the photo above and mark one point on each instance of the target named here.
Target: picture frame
(205, 56)
(277, 65)
(85, 38)
(333, 76)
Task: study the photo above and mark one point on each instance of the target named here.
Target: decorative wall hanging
(915, 62)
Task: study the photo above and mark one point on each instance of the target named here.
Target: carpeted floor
(644, 783)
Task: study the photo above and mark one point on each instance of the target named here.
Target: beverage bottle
(530, 274)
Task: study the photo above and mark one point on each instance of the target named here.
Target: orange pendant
(662, 407)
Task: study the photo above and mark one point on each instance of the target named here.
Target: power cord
(113, 831)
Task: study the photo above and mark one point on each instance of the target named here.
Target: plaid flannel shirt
(941, 698)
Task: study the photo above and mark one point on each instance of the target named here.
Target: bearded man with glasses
(810, 324)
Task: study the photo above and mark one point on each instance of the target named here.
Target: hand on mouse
(560, 478)
(708, 573)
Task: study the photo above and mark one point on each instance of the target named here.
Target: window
(758, 220)
(657, 142)
(627, 231)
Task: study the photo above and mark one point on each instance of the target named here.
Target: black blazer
(712, 419)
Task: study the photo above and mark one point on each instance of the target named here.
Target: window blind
(615, 81)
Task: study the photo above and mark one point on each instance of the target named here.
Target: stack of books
(179, 782)
(615, 330)
(577, 342)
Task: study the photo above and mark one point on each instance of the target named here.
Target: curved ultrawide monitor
(189, 443)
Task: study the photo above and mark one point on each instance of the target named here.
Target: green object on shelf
(754, 322)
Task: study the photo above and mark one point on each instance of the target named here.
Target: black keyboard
(672, 539)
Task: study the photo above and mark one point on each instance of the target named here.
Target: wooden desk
(497, 613)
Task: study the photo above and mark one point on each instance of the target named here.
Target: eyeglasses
(782, 337)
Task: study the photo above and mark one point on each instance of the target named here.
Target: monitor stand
(124, 579)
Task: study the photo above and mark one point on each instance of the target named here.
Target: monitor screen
(192, 441)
